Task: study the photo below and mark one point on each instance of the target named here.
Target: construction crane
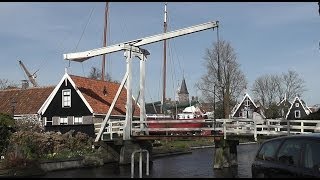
(30, 77)
(132, 49)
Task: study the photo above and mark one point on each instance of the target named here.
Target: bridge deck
(174, 137)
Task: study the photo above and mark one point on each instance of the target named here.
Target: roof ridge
(94, 79)
(29, 88)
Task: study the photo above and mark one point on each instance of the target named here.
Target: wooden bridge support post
(128, 147)
(225, 153)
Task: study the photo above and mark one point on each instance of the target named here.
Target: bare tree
(95, 73)
(223, 74)
(267, 89)
(292, 84)
(6, 84)
(272, 88)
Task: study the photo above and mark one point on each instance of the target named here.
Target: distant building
(183, 94)
(24, 102)
(79, 103)
(283, 106)
(298, 109)
(247, 108)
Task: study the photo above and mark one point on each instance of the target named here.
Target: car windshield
(290, 152)
(268, 150)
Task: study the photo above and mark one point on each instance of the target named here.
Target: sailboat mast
(164, 57)
(104, 41)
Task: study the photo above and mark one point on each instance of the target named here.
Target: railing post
(237, 127)
(288, 127)
(255, 130)
(302, 125)
(111, 131)
(224, 129)
(268, 126)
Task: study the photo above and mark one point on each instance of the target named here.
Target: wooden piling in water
(225, 153)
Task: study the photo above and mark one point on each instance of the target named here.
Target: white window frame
(295, 114)
(297, 104)
(79, 120)
(247, 102)
(46, 121)
(66, 98)
(63, 120)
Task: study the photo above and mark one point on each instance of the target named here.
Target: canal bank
(197, 164)
(178, 148)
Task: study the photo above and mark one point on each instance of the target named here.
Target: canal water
(198, 164)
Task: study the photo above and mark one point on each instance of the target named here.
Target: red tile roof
(100, 94)
(28, 101)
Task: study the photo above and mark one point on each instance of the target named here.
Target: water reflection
(198, 164)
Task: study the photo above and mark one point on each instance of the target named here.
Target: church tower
(183, 93)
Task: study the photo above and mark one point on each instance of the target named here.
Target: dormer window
(66, 98)
(297, 104)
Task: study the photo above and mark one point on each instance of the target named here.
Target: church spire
(183, 88)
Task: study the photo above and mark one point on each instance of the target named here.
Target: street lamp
(13, 105)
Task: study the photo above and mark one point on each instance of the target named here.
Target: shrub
(6, 124)
(30, 143)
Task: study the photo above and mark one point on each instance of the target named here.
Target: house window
(63, 120)
(66, 98)
(247, 102)
(297, 104)
(77, 120)
(48, 121)
(240, 114)
(297, 113)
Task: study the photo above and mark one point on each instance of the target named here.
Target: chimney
(24, 84)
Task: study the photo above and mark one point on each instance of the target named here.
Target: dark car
(288, 156)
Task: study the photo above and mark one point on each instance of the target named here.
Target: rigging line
(155, 110)
(173, 45)
(173, 72)
(84, 29)
(159, 81)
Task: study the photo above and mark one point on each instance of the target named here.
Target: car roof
(311, 136)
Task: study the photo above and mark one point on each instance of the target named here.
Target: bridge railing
(114, 128)
(237, 126)
(267, 126)
(165, 126)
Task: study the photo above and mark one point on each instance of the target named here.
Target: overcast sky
(268, 38)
